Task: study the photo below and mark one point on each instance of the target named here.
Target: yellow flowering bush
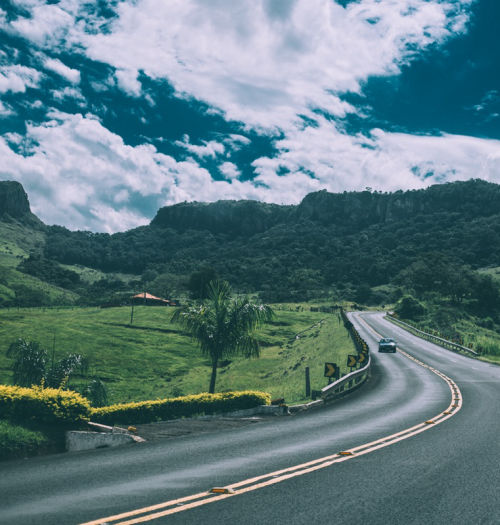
(42, 405)
(185, 406)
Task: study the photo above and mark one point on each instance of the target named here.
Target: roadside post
(308, 382)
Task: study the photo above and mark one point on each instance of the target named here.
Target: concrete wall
(80, 440)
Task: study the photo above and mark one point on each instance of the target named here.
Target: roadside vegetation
(154, 358)
(17, 441)
(223, 326)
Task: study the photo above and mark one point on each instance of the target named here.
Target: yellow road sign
(352, 360)
(331, 370)
(362, 358)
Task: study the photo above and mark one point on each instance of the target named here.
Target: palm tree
(224, 326)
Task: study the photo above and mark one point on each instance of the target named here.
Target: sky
(110, 109)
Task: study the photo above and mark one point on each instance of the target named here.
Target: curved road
(449, 473)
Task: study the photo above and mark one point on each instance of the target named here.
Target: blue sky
(112, 109)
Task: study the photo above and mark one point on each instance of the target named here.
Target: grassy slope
(91, 275)
(153, 359)
(16, 242)
(16, 441)
(451, 320)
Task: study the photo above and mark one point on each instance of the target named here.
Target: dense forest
(369, 247)
(350, 241)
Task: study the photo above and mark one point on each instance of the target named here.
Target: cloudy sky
(110, 109)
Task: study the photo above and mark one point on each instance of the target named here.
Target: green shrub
(17, 441)
(43, 406)
(487, 346)
(163, 409)
(409, 308)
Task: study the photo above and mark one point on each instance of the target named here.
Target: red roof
(146, 295)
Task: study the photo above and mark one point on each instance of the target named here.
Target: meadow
(152, 358)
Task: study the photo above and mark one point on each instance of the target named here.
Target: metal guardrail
(352, 380)
(439, 340)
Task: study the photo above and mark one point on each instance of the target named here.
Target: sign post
(352, 361)
(361, 359)
(331, 371)
(308, 382)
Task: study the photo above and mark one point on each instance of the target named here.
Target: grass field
(153, 359)
(16, 242)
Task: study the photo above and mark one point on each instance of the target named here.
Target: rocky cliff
(231, 217)
(350, 211)
(14, 205)
(13, 200)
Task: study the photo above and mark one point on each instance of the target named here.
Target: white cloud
(127, 80)
(210, 148)
(79, 174)
(75, 164)
(236, 141)
(55, 65)
(5, 110)
(229, 170)
(70, 92)
(47, 24)
(323, 157)
(17, 78)
(263, 66)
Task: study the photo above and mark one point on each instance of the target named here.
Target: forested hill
(349, 210)
(328, 242)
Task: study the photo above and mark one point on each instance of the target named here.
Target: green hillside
(440, 246)
(153, 359)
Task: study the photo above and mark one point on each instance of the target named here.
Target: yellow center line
(248, 485)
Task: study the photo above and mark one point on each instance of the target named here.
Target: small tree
(63, 369)
(224, 326)
(30, 365)
(30, 361)
(96, 393)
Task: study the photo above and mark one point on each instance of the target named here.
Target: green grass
(91, 275)
(153, 359)
(15, 278)
(16, 243)
(451, 321)
(16, 441)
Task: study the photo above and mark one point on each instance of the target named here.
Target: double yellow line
(248, 485)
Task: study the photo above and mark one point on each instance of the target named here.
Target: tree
(30, 365)
(29, 362)
(409, 308)
(224, 326)
(60, 371)
(96, 393)
(199, 282)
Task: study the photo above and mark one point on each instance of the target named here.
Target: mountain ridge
(248, 217)
(329, 241)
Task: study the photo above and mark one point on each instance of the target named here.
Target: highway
(449, 473)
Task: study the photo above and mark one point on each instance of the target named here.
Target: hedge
(43, 406)
(163, 409)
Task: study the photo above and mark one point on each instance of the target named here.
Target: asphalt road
(448, 474)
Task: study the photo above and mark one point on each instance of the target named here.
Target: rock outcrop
(13, 200)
